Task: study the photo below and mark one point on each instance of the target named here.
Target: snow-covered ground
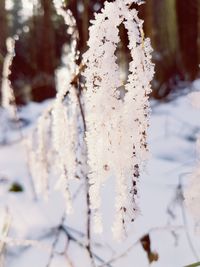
(173, 130)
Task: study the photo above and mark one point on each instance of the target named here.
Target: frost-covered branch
(8, 98)
(115, 122)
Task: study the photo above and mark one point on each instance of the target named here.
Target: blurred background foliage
(172, 25)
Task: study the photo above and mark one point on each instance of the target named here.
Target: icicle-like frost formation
(116, 127)
(8, 99)
(65, 112)
(192, 195)
(64, 123)
(37, 144)
(72, 30)
(65, 136)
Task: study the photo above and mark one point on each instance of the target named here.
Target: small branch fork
(76, 84)
(71, 238)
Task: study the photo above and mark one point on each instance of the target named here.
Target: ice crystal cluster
(116, 125)
(65, 140)
(37, 145)
(113, 125)
(8, 99)
(62, 113)
(65, 110)
(192, 196)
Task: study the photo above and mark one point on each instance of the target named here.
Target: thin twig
(55, 241)
(137, 242)
(84, 246)
(88, 224)
(5, 231)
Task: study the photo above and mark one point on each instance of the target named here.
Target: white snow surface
(174, 127)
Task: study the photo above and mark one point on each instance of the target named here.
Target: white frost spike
(8, 99)
(65, 132)
(41, 154)
(116, 127)
(65, 115)
(37, 145)
(64, 135)
(72, 27)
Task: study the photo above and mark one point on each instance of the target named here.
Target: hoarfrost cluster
(7, 91)
(116, 125)
(63, 114)
(102, 125)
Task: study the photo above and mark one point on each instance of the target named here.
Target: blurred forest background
(172, 25)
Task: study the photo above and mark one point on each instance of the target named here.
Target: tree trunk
(147, 15)
(45, 88)
(187, 13)
(165, 43)
(3, 31)
(48, 38)
(85, 23)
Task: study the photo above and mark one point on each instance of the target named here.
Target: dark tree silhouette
(187, 15)
(3, 35)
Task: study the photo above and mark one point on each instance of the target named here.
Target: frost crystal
(65, 110)
(116, 127)
(63, 127)
(65, 136)
(8, 99)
